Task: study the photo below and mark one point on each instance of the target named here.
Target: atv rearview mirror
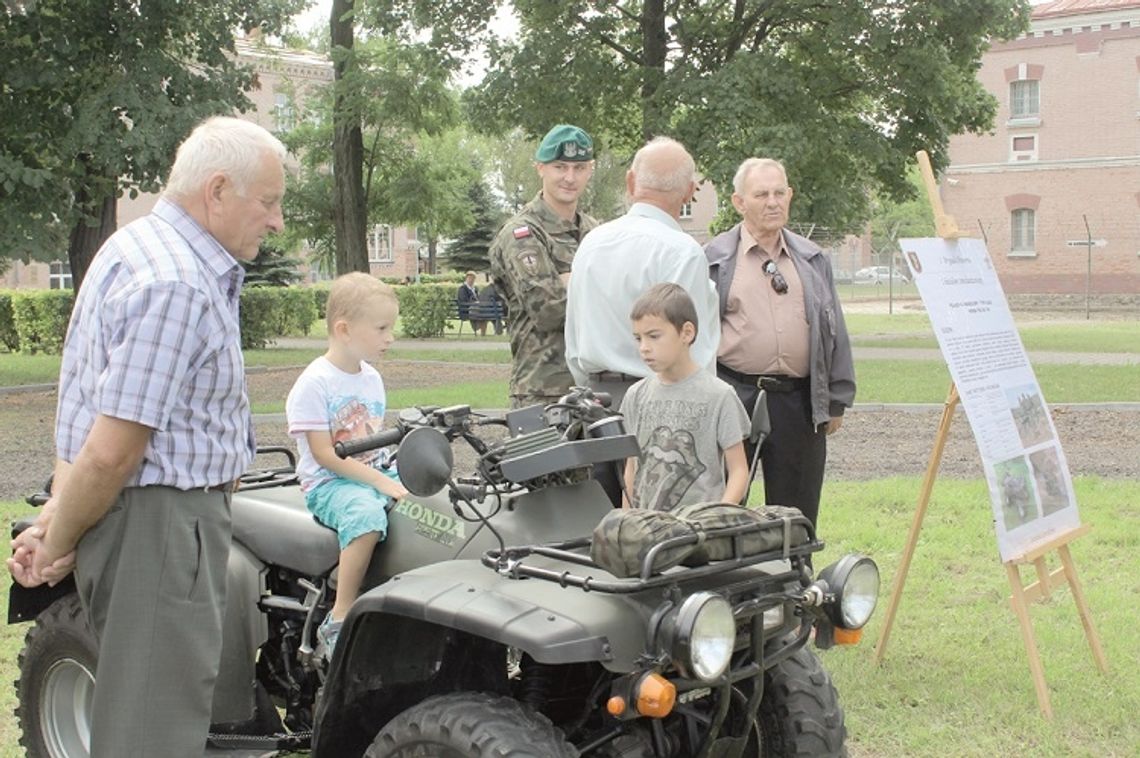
(761, 425)
(425, 461)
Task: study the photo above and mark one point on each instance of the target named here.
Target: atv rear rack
(511, 561)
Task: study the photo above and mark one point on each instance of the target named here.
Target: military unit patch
(522, 232)
(529, 260)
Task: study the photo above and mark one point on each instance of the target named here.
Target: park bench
(477, 311)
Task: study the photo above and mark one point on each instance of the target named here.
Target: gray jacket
(832, 368)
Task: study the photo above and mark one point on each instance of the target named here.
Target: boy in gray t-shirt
(689, 424)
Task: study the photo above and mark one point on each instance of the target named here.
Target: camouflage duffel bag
(777, 520)
(623, 538)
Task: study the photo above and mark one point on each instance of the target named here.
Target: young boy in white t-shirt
(689, 424)
(341, 397)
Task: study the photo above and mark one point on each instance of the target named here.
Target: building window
(282, 112)
(59, 275)
(687, 210)
(1023, 147)
(1022, 232)
(380, 244)
(1024, 98)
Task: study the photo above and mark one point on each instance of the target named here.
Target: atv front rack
(512, 561)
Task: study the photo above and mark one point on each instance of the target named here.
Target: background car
(879, 275)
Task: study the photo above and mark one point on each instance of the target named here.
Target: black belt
(769, 382)
(612, 376)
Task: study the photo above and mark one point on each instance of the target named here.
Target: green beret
(565, 143)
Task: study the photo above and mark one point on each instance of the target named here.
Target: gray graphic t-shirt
(682, 429)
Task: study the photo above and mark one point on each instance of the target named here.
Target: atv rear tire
(470, 725)
(57, 682)
(799, 714)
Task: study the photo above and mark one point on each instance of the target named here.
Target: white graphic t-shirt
(347, 406)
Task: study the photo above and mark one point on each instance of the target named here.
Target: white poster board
(1028, 476)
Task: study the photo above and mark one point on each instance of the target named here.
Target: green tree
(844, 93)
(387, 80)
(273, 267)
(468, 251)
(416, 172)
(96, 97)
(892, 219)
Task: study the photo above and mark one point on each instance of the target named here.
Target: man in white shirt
(621, 259)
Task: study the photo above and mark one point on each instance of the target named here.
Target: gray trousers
(152, 577)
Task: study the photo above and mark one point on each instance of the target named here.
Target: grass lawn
(955, 680)
(906, 381)
(913, 330)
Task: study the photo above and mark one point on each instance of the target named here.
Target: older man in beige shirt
(782, 330)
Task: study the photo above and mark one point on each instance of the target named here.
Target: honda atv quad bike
(488, 624)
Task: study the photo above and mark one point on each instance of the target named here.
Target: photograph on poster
(1019, 504)
(1029, 414)
(1050, 484)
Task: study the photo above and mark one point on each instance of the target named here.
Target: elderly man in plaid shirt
(153, 427)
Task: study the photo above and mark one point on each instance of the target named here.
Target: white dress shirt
(614, 265)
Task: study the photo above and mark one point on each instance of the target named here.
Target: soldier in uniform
(530, 265)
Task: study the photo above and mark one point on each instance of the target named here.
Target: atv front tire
(57, 682)
(799, 714)
(470, 725)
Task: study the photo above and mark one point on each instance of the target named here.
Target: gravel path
(875, 441)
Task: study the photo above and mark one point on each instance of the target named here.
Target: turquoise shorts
(350, 508)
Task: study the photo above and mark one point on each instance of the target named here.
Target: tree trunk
(654, 41)
(89, 233)
(433, 243)
(350, 218)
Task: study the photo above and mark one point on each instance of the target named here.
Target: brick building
(1065, 146)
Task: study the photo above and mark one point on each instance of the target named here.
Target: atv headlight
(704, 634)
(854, 581)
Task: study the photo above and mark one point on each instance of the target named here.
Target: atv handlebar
(371, 442)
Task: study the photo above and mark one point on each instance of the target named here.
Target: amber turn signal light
(656, 696)
(848, 636)
(616, 705)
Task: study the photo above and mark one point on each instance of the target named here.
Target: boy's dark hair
(668, 301)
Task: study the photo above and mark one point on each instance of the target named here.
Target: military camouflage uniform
(530, 252)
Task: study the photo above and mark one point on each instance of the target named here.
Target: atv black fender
(446, 627)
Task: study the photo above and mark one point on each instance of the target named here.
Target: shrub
(259, 319)
(40, 318)
(271, 312)
(296, 310)
(320, 299)
(8, 336)
(425, 309)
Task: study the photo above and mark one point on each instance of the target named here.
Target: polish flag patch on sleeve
(522, 232)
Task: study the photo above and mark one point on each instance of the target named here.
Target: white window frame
(380, 244)
(687, 210)
(59, 275)
(1028, 247)
(1034, 113)
(1021, 156)
(284, 118)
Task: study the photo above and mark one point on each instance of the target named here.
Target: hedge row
(35, 321)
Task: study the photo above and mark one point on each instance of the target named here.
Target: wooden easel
(1022, 595)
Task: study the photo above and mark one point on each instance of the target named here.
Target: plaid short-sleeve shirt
(154, 339)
